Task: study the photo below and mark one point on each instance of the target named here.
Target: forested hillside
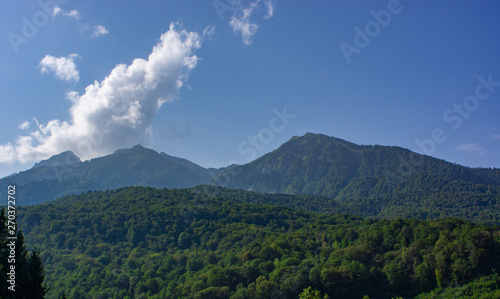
(390, 178)
(322, 165)
(147, 243)
(65, 174)
(464, 200)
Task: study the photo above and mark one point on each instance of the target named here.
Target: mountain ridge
(318, 158)
(137, 166)
(369, 180)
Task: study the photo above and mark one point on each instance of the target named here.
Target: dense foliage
(369, 181)
(21, 272)
(147, 243)
(486, 287)
(481, 206)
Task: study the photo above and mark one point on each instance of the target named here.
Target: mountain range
(365, 180)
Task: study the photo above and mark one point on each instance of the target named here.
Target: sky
(226, 81)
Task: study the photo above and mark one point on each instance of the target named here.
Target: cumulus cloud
(59, 11)
(99, 30)
(240, 20)
(64, 68)
(118, 111)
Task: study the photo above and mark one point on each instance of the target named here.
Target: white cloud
(240, 20)
(99, 30)
(270, 9)
(56, 10)
(59, 11)
(73, 96)
(495, 136)
(209, 32)
(241, 24)
(24, 126)
(471, 148)
(8, 153)
(64, 68)
(118, 111)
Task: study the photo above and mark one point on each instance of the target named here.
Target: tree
(311, 293)
(29, 273)
(36, 286)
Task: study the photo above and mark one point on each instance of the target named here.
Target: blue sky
(221, 82)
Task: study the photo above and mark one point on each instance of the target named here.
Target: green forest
(21, 271)
(141, 242)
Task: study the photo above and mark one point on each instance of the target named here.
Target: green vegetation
(26, 278)
(310, 293)
(331, 167)
(478, 206)
(295, 241)
(486, 287)
(146, 243)
(371, 181)
(329, 174)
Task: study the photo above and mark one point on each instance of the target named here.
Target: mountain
(375, 181)
(364, 180)
(65, 158)
(322, 165)
(65, 174)
(141, 242)
(205, 175)
(139, 166)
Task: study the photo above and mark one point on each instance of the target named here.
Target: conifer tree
(29, 275)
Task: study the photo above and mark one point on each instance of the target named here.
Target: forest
(141, 242)
(21, 271)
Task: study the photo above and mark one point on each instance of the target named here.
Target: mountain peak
(64, 158)
(137, 147)
(321, 140)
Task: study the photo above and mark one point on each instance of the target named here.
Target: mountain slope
(478, 203)
(204, 175)
(322, 165)
(142, 242)
(137, 166)
(370, 181)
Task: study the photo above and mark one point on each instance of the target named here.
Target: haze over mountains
(382, 181)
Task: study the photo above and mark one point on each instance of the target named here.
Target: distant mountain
(322, 165)
(203, 174)
(65, 174)
(66, 158)
(369, 181)
(381, 181)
